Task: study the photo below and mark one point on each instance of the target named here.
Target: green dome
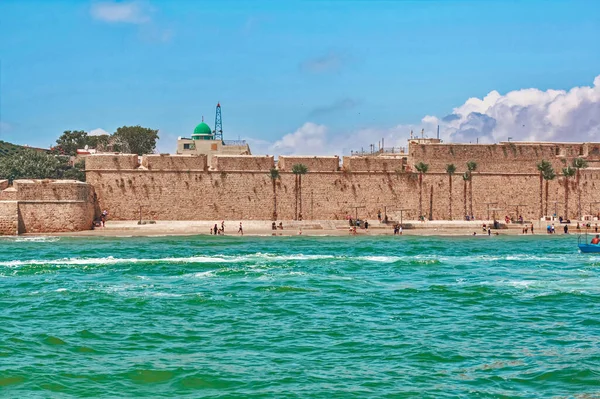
(202, 128)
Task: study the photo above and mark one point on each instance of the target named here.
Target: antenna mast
(218, 124)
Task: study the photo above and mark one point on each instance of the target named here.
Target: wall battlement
(174, 162)
(373, 164)
(236, 163)
(314, 164)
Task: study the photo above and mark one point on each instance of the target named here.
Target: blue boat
(584, 245)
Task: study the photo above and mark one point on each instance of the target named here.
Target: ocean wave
(32, 239)
(267, 257)
(109, 260)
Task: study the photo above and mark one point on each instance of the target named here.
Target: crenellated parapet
(373, 164)
(236, 163)
(313, 164)
(166, 162)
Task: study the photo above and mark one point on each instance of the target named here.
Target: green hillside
(9, 149)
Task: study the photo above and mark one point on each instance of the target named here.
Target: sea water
(299, 317)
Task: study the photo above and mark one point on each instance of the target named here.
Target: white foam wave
(32, 239)
(192, 259)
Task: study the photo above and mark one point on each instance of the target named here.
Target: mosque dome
(202, 128)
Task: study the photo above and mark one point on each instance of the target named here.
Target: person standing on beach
(223, 226)
(531, 228)
(241, 229)
(216, 229)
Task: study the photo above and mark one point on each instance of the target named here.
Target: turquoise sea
(299, 317)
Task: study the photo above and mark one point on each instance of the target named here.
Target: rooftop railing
(234, 142)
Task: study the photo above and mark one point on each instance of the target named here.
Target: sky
(302, 77)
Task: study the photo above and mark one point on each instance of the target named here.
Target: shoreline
(338, 228)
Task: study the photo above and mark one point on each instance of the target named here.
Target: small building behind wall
(204, 142)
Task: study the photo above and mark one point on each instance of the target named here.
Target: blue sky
(333, 74)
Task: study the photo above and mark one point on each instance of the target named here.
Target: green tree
(274, 175)
(299, 170)
(471, 167)
(466, 177)
(542, 167)
(578, 164)
(450, 170)
(567, 173)
(70, 141)
(421, 168)
(135, 140)
(30, 164)
(101, 142)
(548, 175)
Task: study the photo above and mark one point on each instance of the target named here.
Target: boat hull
(589, 248)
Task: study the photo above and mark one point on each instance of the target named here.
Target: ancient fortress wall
(41, 206)
(240, 188)
(314, 164)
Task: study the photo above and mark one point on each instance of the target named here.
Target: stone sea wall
(46, 206)
(240, 187)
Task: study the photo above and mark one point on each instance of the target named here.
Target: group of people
(275, 226)
(397, 229)
(218, 231)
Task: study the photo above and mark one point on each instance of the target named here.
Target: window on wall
(186, 146)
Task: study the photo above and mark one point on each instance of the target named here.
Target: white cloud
(133, 12)
(309, 139)
(98, 132)
(528, 114)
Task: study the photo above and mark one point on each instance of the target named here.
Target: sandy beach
(306, 228)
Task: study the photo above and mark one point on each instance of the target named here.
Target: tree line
(58, 162)
(127, 139)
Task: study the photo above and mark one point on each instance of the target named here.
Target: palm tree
(421, 168)
(299, 170)
(466, 177)
(567, 172)
(274, 175)
(450, 169)
(471, 166)
(548, 175)
(542, 167)
(579, 163)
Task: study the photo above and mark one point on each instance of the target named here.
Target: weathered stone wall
(314, 164)
(46, 206)
(242, 162)
(3, 184)
(174, 162)
(111, 162)
(9, 217)
(373, 164)
(240, 188)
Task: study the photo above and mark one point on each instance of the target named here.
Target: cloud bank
(523, 115)
(527, 114)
